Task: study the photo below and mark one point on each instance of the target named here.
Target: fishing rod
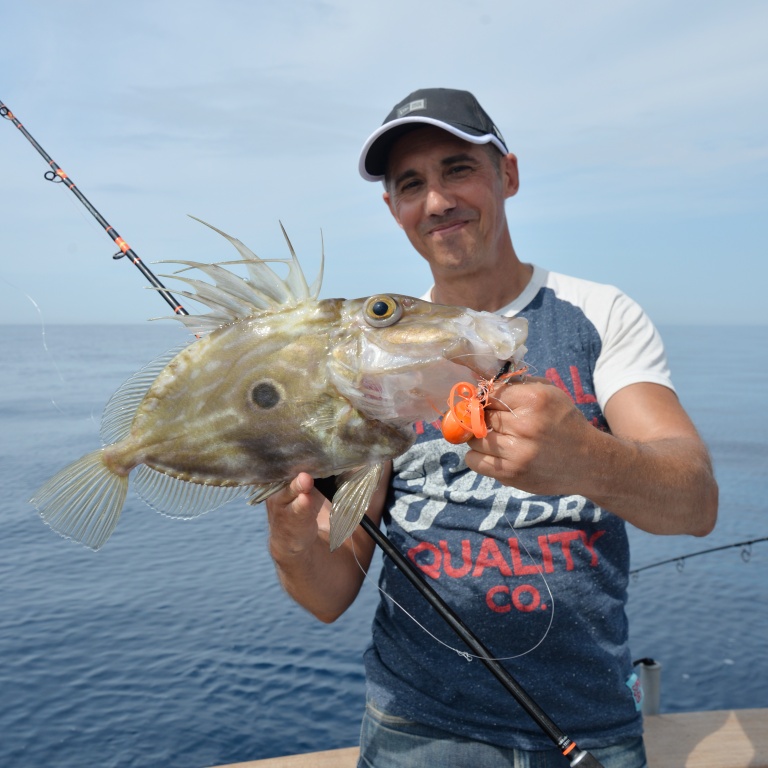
(577, 757)
(568, 747)
(746, 553)
(57, 175)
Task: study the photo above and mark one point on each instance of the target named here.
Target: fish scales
(279, 382)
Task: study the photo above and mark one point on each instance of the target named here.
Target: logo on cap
(412, 107)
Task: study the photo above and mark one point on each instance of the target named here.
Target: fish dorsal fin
(351, 501)
(121, 408)
(232, 297)
(314, 289)
(174, 497)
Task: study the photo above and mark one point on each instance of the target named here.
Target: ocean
(175, 646)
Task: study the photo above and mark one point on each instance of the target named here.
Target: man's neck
(488, 292)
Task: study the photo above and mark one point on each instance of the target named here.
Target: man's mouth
(447, 227)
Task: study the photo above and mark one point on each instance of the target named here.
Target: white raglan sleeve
(632, 350)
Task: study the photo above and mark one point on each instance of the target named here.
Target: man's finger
(504, 396)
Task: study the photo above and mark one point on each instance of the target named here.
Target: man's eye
(457, 170)
(409, 186)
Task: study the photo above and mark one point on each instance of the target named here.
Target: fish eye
(265, 395)
(381, 311)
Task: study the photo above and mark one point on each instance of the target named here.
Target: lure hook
(465, 417)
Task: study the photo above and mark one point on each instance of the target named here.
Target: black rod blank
(56, 174)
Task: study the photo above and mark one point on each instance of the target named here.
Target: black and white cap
(457, 112)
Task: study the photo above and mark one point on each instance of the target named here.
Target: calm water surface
(174, 645)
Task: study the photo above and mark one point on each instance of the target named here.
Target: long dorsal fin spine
(233, 298)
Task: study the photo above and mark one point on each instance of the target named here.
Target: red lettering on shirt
(532, 600)
(578, 390)
(431, 569)
(578, 395)
(554, 377)
(466, 559)
(517, 562)
(589, 543)
(546, 554)
(419, 427)
(436, 560)
(490, 599)
(565, 539)
(490, 557)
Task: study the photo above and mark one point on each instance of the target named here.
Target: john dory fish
(279, 382)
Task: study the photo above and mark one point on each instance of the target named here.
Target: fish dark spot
(265, 394)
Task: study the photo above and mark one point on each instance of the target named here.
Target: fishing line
(466, 654)
(43, 335)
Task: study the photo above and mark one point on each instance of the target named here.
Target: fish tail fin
(84, 500)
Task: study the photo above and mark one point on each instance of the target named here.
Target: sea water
(175, 646)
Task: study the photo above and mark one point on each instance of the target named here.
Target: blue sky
(641, 130)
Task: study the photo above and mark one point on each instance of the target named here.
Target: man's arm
(324, 582)
(653, 469)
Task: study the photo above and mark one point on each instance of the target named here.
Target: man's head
(447, 175)
(457, 112)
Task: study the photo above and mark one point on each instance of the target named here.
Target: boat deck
(719, 739)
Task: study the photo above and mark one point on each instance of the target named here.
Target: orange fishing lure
(465, 417)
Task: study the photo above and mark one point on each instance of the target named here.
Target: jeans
(387, 741)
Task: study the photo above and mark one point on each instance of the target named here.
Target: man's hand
(323, 582)
(296, 516)
(652, 469)
(537, 441)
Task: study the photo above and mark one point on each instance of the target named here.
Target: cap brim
(375, 151)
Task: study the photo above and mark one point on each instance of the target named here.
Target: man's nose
(439, 199)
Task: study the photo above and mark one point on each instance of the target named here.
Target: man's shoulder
(596, 300)
(562, 284)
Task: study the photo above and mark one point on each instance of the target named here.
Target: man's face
(448, 196)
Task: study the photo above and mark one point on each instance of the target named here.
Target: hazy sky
(641, 130)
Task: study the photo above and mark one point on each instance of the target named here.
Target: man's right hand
(297, 515)
(324, 582)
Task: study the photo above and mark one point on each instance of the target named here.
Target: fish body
(279, 382)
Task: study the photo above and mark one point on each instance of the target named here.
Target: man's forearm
(653, 468)
(664, 486)
(323, 582)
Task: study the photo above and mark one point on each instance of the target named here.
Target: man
(523, 531)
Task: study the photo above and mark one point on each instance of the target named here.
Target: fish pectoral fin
(83, 501)
(262, 492)
(351, 502)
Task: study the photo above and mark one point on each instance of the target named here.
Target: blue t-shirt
(541, 580)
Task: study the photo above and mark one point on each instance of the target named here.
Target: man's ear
(388, 200)
(510, 175)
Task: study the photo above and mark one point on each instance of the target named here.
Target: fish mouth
(492, 352)
(486, 367)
